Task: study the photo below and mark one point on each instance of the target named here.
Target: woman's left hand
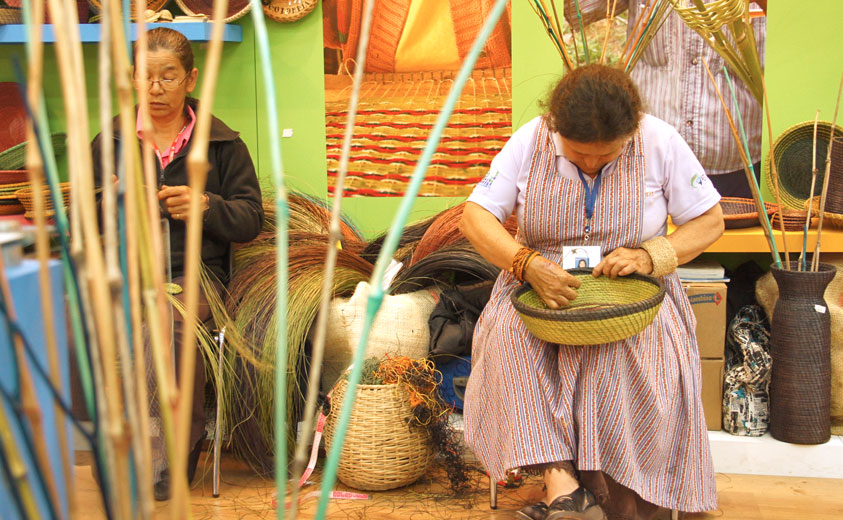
(177, 201)
(623, 261)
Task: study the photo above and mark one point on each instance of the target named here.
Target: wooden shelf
(90, 32)
(752, 240)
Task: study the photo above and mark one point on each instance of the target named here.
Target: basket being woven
(381, 450)
(605, 309)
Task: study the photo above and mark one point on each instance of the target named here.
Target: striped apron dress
(630, 408)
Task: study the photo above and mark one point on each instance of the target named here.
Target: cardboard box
(712, 392)
(708, 300)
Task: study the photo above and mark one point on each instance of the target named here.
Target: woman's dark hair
(170, 40)
(594, 103)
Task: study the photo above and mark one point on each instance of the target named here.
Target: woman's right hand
(552, 283)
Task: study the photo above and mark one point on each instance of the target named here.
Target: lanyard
(590, 200)
(172, 151)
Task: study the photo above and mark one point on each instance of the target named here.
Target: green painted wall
(804, 62)
(536, 66)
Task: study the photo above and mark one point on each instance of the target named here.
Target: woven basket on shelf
(741, 213)
(605, 309)
(13, 176)
(10, 15)
(793, 149)
(25, 196)
(794, 220)
(829, 217)
(236, 8)
(381, 449)
(152, 5)
(287, 11)
(14, 158)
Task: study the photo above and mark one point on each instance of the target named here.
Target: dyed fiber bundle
(410, 237)
(252, 306)
(445, 231)
(421, 379)
(450, 265)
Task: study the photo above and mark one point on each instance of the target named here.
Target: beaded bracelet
(520, 261)
(662, 255)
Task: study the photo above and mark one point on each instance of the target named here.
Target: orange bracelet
(520, 261)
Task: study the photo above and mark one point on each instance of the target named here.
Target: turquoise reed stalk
(388, 249)
(582, 33)
(762, 214)
(282, 211)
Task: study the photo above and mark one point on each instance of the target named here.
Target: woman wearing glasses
(232, 209)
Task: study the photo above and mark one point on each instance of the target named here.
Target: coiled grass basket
(382, 449)
(605, 310)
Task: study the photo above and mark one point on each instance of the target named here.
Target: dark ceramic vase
(800, 343)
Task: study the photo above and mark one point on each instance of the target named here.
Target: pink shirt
(178, 144)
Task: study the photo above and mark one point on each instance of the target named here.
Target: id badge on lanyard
(590, 201)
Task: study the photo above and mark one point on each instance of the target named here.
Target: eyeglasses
(164, 83)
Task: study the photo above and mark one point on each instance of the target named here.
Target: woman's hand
(623, 261)
(177, 201)
(555, 286)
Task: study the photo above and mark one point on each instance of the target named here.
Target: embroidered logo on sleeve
(489, 179)
(698, 180)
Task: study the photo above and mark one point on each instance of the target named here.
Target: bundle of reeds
(451, 265)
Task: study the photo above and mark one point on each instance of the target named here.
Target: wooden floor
(245, 495)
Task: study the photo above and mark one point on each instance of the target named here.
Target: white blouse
(675, 183)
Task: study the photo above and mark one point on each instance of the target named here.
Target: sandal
(533, 512)
(579, 505)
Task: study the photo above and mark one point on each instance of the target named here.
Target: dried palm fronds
(646, 27)
(737, 46)
(410, 238)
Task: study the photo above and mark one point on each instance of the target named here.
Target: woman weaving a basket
(618, 424)
(232, 209)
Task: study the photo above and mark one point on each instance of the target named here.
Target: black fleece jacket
(235, 212)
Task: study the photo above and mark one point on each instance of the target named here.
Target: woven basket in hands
(381, 449)
(605, 310)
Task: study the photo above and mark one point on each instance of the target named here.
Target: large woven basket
(741, 213)
(26, 198)
(381, 449)
(793, 150)
(14, 158)
(605, 310)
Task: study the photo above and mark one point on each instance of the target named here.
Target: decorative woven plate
(605, 310)
(155, 5)
(236, 8)
(12, 114)
(15, 157)
(792, 150)
(25, 197)
(741, 213)
(286, 11)
(13, 176)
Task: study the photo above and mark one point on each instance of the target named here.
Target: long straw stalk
(334, 236)
(35, 167)
(11, 453)
(815, 261)
(72, 74)
(774, 170)
(197, 169)
(750, 177)
(390, 244)
(802, 260)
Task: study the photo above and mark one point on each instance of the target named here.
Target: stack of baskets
(605, 310)
(26, 197)
(9, 203)
(382, 450)
(741, 213)
(793, 219)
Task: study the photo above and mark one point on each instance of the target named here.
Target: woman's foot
(533, 512)
(578, 505)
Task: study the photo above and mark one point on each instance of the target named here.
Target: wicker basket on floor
(381, 449)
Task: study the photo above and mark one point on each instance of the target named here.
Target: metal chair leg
(493, 493)
(218, 424)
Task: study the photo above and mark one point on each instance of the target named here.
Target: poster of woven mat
(415, 50)
(394, 119)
